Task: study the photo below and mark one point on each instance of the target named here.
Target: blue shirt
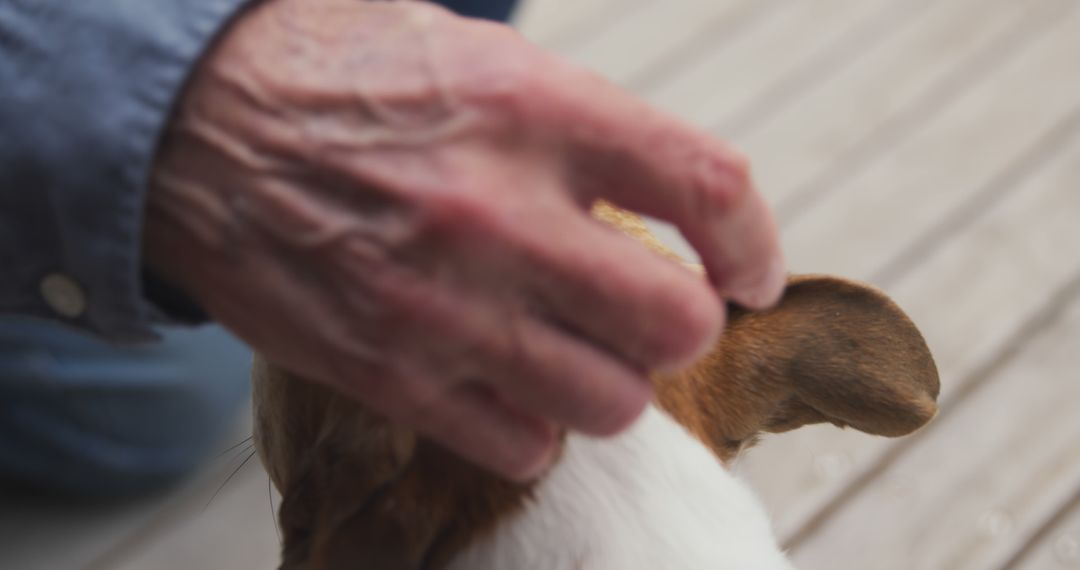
(86, 89)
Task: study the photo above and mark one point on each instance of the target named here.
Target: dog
(359, 491)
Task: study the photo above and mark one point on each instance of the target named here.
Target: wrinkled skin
(393, 201)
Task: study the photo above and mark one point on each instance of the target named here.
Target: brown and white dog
(360, 492)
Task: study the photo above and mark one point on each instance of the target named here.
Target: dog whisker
(273, 511)
(233, 474)
(247, 439)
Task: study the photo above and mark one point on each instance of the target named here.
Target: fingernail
(766, 290)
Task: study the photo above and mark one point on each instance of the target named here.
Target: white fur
(652, 498)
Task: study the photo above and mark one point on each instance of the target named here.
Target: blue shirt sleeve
(85, 91)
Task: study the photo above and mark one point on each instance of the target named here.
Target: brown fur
(359, 492)
(832, 351)
(356, 488)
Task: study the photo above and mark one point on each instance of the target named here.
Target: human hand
(393, 200)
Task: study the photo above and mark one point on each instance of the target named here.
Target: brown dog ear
(359, 491)
(332, 463)
(831, 351)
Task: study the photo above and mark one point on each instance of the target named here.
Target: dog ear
(831, 351)
(332, 463)
(432, 508)
(331, 511)
(359, 491)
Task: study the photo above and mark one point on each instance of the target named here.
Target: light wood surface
(930, 147)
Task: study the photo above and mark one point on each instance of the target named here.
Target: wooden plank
(46, 534)
(920, 180)
(1041, 20)
(1057, 545)
(823, 125)
(826, 121)
(970, 297)
(973, 485)
(43, 533)
(563, 25)
(646, 35)
(730, 77)
(236, 531)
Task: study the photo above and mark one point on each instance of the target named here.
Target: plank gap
(968, 74)
(591, 26)
(1047, 147)
(1045, 317)
(1043, 531)
(830, 59)
(175, 510)
(724, 29)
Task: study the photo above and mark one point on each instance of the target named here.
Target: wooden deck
(931, 147)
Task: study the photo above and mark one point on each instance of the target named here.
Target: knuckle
(722, 181)
(508, 91)
(456, 206)
(418, 399)
(459, 212)
(738, 164)
(401, 297)
(508, 81)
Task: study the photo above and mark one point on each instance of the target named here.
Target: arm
(87, 90)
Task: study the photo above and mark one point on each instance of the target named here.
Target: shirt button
(63, 295)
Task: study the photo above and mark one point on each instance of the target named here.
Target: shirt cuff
(88, 90)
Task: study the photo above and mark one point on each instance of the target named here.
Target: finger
(474, 423)
(611, 291)
(443, 336)
(623, 150)
(552, 374)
